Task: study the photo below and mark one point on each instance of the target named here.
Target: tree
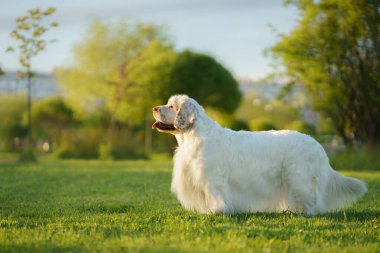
(51, 116)
(200, 76)
(335, 52)
(29, 33)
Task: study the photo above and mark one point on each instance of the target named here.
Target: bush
(11, 111)
(301, 126)
(27, 155)
(126, 143)
(359, 159)
(163, 143)
(105, 152)
(227, 120)
(88, 142)
(10, 133)
(325, 126)
(254, 106)
(238, 124)
(80, 143)
(50, 117)
(262, 125)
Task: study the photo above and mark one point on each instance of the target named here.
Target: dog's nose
(155, 109)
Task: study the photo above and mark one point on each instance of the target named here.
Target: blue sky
(234, 31)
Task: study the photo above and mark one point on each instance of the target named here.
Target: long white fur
(217, 170)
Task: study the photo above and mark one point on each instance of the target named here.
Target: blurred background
(78, 79)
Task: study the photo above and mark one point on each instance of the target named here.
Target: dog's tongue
(154, 125)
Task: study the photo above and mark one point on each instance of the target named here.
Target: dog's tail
(342, 190)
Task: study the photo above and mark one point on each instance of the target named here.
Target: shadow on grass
(349, 215)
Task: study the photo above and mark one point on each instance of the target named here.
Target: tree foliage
(335, 52)
(29, 33)
(200, 76)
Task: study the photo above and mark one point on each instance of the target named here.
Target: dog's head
(178, 115)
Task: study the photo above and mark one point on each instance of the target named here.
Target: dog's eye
(170, 106)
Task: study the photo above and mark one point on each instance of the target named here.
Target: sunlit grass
(88, 206)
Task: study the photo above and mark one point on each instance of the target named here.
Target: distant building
(43, 85)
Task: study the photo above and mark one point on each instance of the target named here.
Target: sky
(235, 32)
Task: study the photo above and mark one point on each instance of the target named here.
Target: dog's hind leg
(301, 193)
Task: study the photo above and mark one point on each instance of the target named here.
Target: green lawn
(82, 206)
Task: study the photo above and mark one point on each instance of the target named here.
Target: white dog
(217, 170)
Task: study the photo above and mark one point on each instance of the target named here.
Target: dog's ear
(186, 115)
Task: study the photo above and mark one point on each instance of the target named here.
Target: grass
(88, 206)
